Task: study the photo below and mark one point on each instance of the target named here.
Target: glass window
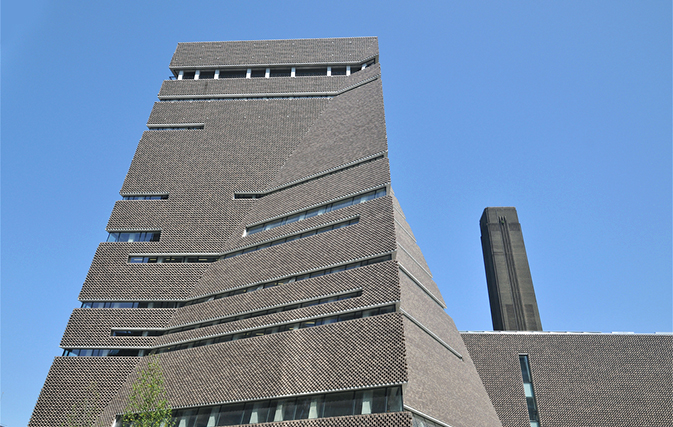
(283, 72)
(203, 417)
(525, 371)
(259, 411)
(232, 74)
(231, 414)
(316, 408)
(378, 401)
(342, 204)
(303, 405)
(338, 71)
(207, 74)
(339, 404)
(394, 399)
(261, 72)
(294, 218)
(315, 212)
(304, 72)
(287, 408)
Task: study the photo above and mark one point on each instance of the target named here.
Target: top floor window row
(269, 72)
(329, 207)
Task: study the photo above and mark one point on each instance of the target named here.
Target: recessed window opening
(280, 309)
(327, 320)
(116, 352)
(357, 402)
(134, 236)
(248, 98)
(306, 72)
(528, 391)
(197, 127)
(232, 74)
(338, 71)
(165, 259)
(287, 187)
(258, 72)
(136, 333)
(146, 197)
(131, 304)
(283, 71)
(310, 213)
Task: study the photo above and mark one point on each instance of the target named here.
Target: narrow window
(281, 72)
(146, 197)
(256, 73)
(306, 72)
(528, 391)
(232, 74)
(338, 71)
(134, 236)
(207, 74)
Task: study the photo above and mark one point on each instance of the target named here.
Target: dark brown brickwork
(265, 52)
(360, 353)
(91, 327)
(370, 279)
(259, 145)
(443, 386)
(68, 381)
(579, 379)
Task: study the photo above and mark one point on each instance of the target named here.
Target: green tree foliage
(84, 412)
(147, 405)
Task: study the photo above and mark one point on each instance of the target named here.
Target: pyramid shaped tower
(260, 251)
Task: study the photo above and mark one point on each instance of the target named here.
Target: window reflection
(288, 409)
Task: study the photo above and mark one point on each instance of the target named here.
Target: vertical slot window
(533, 415)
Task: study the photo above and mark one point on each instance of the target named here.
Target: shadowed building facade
(510, 285)
(260, 250)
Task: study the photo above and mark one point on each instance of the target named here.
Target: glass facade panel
(288, 409)
(394, 403)
(378, 404)
(339, 404)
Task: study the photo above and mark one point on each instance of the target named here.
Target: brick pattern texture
(302, 51)
(579, 379)
(259, 145)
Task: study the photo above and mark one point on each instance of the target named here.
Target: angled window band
(207, 258)
(320, 210)
(279, 309)
(291, 326)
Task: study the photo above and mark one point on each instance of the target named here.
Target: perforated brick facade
(579, 379)
(301, 142)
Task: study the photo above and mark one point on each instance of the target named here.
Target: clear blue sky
(560, 108)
